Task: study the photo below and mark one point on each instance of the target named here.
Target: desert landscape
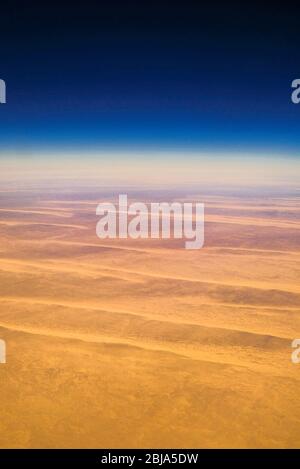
(141, 343)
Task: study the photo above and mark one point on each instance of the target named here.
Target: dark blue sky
(149, 74)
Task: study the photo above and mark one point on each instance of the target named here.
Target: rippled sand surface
(143, 343)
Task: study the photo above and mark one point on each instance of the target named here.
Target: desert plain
(142, 343)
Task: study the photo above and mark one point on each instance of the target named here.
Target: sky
(130, 75)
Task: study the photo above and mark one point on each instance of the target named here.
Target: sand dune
(123, 343)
